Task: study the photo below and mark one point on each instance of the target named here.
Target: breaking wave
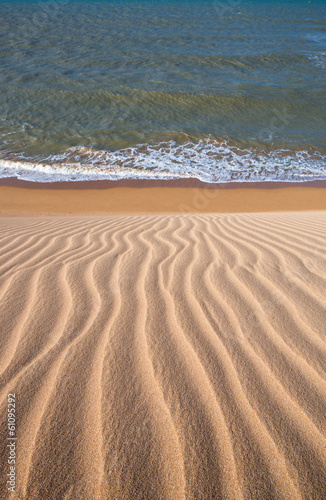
(208, 160)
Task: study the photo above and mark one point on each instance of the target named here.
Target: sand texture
(165, 356)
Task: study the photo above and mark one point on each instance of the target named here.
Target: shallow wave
(209, 160)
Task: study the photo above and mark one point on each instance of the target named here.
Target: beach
(154, 196)
(162, 250)
(163, 356)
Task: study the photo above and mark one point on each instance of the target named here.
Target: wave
(209, 160)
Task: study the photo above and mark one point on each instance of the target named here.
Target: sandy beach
(155, 196)
(163, 250)
(164, 356)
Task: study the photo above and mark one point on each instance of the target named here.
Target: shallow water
(224, 90)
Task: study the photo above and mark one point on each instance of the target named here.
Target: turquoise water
(221, 91)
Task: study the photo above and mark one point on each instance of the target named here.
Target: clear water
(221, 90)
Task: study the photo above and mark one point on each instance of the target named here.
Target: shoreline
(158, 196)
(188, 182)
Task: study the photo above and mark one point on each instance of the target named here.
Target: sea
(221, 90)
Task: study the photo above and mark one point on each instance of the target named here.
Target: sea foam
(209, 160)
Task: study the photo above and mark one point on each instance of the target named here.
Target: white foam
(319, 59)
(209, 160)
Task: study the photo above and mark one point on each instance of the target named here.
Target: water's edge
(210, 160)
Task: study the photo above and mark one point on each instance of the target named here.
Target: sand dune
(165, 357)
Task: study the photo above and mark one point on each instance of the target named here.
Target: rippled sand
(165, 357)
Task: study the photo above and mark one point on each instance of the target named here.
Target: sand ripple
(165, 357)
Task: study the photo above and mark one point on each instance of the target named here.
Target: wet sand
(185, 196)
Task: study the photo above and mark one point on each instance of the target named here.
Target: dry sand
(165, 357)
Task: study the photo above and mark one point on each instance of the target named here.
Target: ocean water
(229, 90)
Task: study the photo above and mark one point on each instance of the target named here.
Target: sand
(144, 197)
(165, 356)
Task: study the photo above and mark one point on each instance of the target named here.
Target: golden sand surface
(173, 357)
(144, 197)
